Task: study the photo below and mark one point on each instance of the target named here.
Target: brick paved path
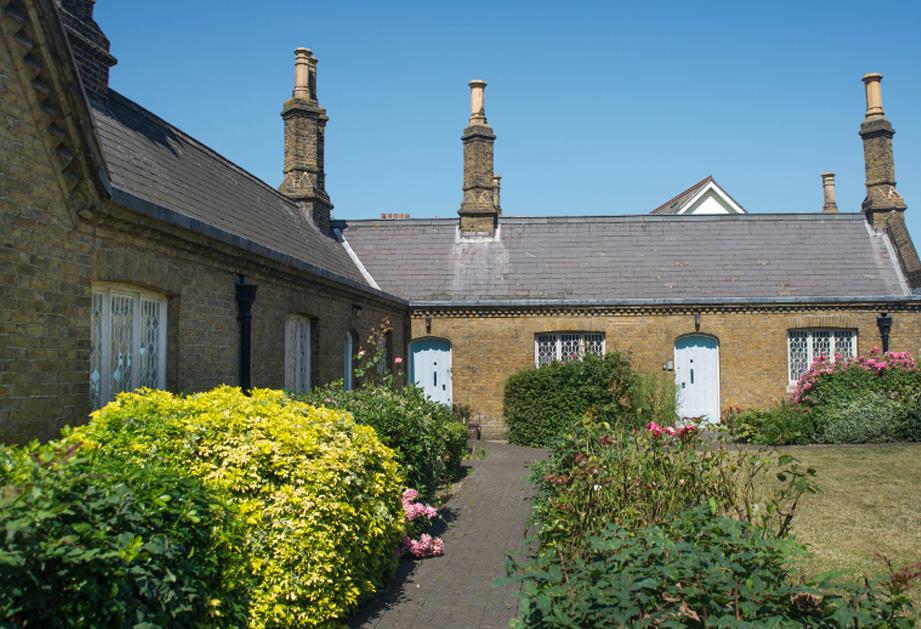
(485, 519)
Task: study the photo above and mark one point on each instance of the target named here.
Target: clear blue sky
(599, 107)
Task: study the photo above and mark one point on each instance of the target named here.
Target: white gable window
(566, 346)
(805, 346)
(127, 342)
(297, 354)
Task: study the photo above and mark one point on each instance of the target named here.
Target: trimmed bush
(872, 419)
(541, 404)
(93, 540)
(319, 494)
(785, 424)
(428, 442)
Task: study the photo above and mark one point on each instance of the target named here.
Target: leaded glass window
(127, 342)
(566, 346)
(805, 346)
(297, 352)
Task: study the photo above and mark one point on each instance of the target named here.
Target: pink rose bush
(418, 516)
(853, 371)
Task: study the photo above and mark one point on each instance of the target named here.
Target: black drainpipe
(884, 323)
(246, 295)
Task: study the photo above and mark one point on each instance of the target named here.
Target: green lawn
(871, 503)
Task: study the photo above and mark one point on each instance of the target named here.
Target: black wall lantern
(246, 295)
(884, 323)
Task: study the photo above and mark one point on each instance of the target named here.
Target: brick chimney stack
(305, 127)
(90, 47)
(876, 131)
(479, 209)
(828, 188)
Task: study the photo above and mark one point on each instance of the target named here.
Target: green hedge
(93, 540)
(428, 441)
(541, 404)
(318, 494)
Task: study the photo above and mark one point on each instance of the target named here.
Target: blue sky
(599, 107)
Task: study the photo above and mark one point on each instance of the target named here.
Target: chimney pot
(828, 188)
(874, 95)
(302, 59)
(383, 215)
(477, 102)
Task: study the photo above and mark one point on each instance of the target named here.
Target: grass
(870, 503)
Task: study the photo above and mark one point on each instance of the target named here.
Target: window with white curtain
(804, 346)
(297, 354)
(566, 346)
(127, 342)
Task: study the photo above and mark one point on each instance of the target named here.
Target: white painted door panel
(697, 373)
(430, 368)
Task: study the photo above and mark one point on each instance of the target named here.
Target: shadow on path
(485, 519)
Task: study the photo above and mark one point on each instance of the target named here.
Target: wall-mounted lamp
(356, 310)
(884, 323)
(697, 322)
(428, 323)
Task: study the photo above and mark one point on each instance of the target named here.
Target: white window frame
(561, 344)
(844, 343)
(298, 345)
(142, 353)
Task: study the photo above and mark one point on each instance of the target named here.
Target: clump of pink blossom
(876, 361)
(426, 545)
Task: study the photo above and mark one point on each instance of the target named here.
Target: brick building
(734, 305)
(133, 255)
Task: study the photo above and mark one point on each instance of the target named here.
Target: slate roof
(151, 159)
(632, 258)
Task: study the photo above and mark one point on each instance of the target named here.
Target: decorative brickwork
(480, 206)
(90, 47)
(305, 128)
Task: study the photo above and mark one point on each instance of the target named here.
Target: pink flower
(361, 353)
(410, 494)
(654, 428)
(670, 431)
(327, 400)
(684, 431)
(397, 360)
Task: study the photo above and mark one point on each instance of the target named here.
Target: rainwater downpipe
(246, 295)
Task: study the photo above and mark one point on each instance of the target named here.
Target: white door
(697, 373)
(430, 368)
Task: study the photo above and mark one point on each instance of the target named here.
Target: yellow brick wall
(44, 280)
(488, 347)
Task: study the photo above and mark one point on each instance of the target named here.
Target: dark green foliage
(92, 541)
(540, 404)
(700, 571)
(785, 424)
(429, 443)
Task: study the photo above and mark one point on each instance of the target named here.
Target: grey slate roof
(155, 161)
(630, 258)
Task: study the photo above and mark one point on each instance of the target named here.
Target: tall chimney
(479, 208)
(305, 128)
(90, 47)
(828, 188)
(882, 198)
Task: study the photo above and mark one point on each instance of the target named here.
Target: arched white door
(430, 368)
(697, 374)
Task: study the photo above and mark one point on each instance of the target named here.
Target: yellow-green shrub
(320, 494)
